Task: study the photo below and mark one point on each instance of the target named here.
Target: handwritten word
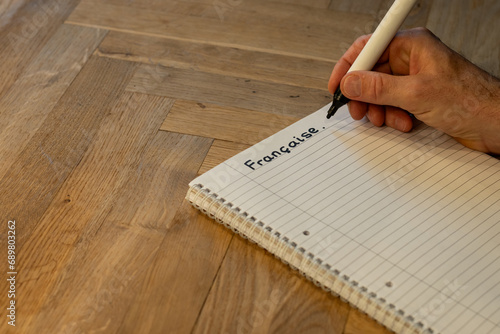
(296, 141)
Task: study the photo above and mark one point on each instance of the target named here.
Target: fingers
(374, 113)
(395, 118)
(338, 73)
(357, 109)
(397, 54)
(380, 95)
(372, 91)
(398, 119)
(379, 88)
(345, 63)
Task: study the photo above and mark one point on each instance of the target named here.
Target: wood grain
(359, 322)
(93, 185)
(128, 213)
(26, 27)
(256, 293)
(52, 153)
(210, 4)
(206, 57)
(377, 10)
(32, 182)
(108, 108)
(220, 151)
(309, 3)
(218, 122)
(176, 284)
(419, 15)
(363, 6)
(223, 90)
(24, 106)
(290, 30)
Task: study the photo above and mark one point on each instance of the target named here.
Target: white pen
(376, 45)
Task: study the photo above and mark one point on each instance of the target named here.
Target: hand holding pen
(375, 46)
(421, 75)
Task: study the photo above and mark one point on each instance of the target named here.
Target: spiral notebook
(403, 226)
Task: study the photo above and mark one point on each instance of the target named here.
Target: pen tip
(333, 109)
(338, 101)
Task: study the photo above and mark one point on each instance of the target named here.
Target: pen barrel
(383, 35)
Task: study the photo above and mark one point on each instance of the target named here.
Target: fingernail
(400, 125)
(352, 86)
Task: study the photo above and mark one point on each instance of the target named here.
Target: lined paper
(413, 217)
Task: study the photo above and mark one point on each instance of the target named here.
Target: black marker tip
(331, 112)
(333, 109)
(338, 101)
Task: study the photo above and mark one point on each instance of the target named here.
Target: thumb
(377, 88)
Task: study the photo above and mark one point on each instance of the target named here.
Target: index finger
(345, 62)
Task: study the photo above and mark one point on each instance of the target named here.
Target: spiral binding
(322, 275)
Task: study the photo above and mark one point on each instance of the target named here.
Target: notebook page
(414, 217)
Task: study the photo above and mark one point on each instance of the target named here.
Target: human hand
(419, 74)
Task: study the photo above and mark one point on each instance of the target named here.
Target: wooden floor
(108, 108)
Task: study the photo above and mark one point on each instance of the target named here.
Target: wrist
(490, 132)
(481, 106)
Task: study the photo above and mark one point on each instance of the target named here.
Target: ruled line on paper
(336, 188)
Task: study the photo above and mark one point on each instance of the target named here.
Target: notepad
(403, 226)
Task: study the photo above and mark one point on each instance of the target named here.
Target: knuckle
(377, 87)
(420, 33)
(419, 88)
(361, 41)
(422, 30)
